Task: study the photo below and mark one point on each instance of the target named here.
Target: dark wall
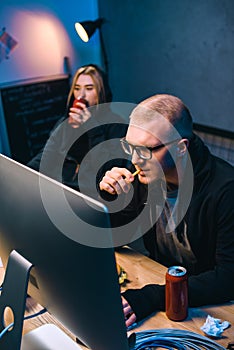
(181, 47)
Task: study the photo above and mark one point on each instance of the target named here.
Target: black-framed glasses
(142, 151)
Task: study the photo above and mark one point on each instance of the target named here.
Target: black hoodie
(69, 150)
(210, 229)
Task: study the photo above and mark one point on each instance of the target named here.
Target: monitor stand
(46, 337)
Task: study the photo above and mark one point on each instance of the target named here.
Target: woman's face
(85, 88)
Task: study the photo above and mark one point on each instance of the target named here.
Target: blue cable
(174, 339)
(25, 318)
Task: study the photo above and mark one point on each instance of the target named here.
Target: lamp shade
(87, 28)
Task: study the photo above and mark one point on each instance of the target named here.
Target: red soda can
(82, 100)
(176, 293)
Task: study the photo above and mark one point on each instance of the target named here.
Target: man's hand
(129, 315)
(116, 181)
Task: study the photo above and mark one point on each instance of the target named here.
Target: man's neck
(171, 187)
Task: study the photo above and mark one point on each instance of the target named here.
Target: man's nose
(136, 159)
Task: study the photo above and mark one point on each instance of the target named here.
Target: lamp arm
(104, 54)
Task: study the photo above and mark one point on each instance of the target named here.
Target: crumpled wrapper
(214, 327)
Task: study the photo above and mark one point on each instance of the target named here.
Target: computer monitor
(73, 277)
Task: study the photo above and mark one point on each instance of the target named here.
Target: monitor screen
(67, 238)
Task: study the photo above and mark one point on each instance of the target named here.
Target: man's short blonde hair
(168, 106)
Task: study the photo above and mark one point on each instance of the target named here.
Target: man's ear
(182, 147)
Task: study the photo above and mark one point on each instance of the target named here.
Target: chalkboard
(30, 108)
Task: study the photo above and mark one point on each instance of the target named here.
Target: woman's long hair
(99, 79)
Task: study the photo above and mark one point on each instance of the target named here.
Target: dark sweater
(210, 229)
(70, 149)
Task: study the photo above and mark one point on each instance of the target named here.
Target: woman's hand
(129, 315)
(116, 181)
(78, 115)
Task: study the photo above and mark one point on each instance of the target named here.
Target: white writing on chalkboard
(30, 110)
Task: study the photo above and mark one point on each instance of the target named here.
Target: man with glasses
(183, 196)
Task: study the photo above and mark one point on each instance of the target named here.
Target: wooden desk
(140, 271)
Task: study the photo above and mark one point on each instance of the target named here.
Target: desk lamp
(86, 29)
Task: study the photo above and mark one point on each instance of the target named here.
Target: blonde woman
(87, 123)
